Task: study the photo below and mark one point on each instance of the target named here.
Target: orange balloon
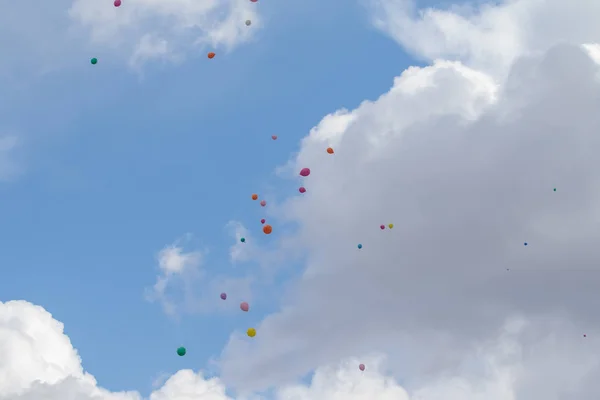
(330, 150)
(254, 196)
(211, 55)
(267, 229)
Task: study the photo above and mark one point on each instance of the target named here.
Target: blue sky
(117, 167)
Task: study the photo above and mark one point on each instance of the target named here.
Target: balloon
(382, 226)
(242, 240)
(255, 197)
(330, 150)
(305, 172)
(361, 367)
(244, 306)
(263, 203)
(223, 296)
(390, 226)
(525, 244)
(555, 189)
(584, 335)
(251, 332)
(274, 137)
(302, 189)
(211, 55)
(262, 221)
(248, 22)
(359, 246)
(117, 3)
(181, 351)
(94, 61)
(254, 1)
(267, 229)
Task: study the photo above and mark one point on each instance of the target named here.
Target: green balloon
(181, 351)
(94, 61)
(242, 240)
(555, 189)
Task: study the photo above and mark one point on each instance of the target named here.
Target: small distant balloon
(211, 55)
(263, 203)
(274, 137)
(248, 22)
(181, 351)
(262, 221)
(243, 240)
(255, 197)
(555, 189)
(305, 172)
(94, 61)
(254, 1)
(251, 332)
(390, 226)
(359, 246)
(525, 244)
(117, 3)
(330, 150)
(244, 306)
(302, 189)
(382, 227)
(223, 296)
(361, 367)
(267, 229)
(584, 335)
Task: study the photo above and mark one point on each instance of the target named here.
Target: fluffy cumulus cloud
(167, 30)
(462, 156)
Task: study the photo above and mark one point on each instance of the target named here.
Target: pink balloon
(382, 226)
(361, 367)
(274, 137)
(117, 3)
(302, 189)
(223, 296)
(254, 1)
(305, 172)
(262, 221)
(244, 306)
(263, 203)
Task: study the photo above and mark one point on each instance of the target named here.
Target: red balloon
(302, 189)
(274, 137)
(305, 172)
(117, 3)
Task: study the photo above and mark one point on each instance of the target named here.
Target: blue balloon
(525, 243)
(360, 246)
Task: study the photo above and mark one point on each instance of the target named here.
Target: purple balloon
(244, 306)
(361, 367)
(263, 203)
(302, 189)
(382, 226)
(305, 172)
(223, 296)
(117, 3)
(262, 221)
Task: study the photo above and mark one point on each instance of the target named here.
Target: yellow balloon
(391, 226)
(251, 332)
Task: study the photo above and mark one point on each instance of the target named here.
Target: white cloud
(39, 362)
(177, 267)
(487, 36)
(168, 30)
(462, 156)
